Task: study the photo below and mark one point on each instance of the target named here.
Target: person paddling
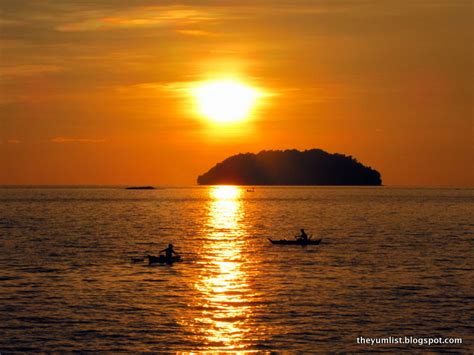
(169, 252)
(303, 236)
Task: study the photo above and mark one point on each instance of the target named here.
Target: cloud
(76, 140)
(13, 141)
(195, 33)
(177, 89)
(139, 18)
(28, 70)
(154, 89)
(6, 22)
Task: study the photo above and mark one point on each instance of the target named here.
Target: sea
(394, 263)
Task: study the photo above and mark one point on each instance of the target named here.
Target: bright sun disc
(225, 100)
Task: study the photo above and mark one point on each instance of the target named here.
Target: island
(140, 188)
(291, 167)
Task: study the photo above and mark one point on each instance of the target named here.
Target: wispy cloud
(13, 141)
(76, 140)
(143, 17)
(177, 89)
(28, 70)
(7, 22)
(195, 33)
(144, 90)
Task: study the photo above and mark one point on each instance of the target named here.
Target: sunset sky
(107, 91)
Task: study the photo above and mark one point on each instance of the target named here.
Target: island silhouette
(290, 167)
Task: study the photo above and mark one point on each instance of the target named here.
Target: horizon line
(197, 185)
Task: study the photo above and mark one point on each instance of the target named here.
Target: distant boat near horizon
(140, 188)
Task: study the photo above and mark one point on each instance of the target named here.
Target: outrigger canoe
(162, 259)
(295, 242)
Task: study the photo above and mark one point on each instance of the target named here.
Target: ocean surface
(393, 262)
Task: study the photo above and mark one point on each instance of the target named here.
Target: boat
(162, 259)
(140, 188)
(296, 242)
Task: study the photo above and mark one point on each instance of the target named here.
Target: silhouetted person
(169, 251)
(303, 236)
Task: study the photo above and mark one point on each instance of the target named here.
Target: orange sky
(92, 91)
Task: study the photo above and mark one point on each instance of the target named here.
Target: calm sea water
(393, 262)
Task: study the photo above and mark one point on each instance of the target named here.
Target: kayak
(162, 259)
(296, 242)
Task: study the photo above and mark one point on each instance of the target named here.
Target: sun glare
(225, 101)
(225, 192)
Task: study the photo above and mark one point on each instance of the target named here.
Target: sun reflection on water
(222, 285)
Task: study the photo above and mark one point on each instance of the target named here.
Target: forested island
(290, 167)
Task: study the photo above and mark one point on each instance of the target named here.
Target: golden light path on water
(222, 283)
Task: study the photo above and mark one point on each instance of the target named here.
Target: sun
(225, 101)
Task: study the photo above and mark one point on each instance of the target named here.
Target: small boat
(140, 188)
(295, 242)
(162, 259)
